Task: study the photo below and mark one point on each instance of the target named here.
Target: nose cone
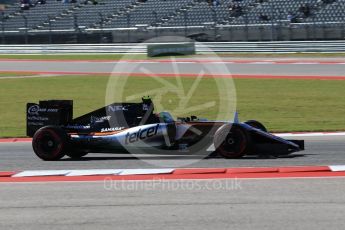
(297, 144)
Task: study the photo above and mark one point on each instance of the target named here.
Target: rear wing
(51, 112)
(60, 113)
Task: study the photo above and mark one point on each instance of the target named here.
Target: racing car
(135, 127)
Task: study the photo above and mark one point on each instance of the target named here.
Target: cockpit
(166, 117)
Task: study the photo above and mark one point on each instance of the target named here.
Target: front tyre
(50, 143)
(256, 124)
(231, 141)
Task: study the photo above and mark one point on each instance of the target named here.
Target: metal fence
(218, 47)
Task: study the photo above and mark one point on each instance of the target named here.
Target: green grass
(14, 74)
(88, 93)
(282, 105)
(293, 105)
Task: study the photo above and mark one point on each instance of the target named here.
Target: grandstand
(269, 17)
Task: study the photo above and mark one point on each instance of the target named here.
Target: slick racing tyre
(256, 124)
(50, 143)
(76, 154)
(231, 141)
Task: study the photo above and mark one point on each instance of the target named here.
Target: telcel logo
(141, 134)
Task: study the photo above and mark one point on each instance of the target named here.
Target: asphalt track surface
(264, 68)
(190, 204)
(316, 204)
(324, 151)
(328, 150)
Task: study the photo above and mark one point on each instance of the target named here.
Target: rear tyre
(256, 124)
(77, 154)
(50, 143)
(231, 141)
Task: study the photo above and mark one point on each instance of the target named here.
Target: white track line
(312, 134)
(31, 76)
(94, 172)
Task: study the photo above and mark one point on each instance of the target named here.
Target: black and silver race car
(135, 128)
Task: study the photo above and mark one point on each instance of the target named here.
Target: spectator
(216, 3)
(41, 2)
(25, 4)
(235, 9)
(289, 16)
(292, 18)
(95, 2)
(305, 10)
(264, 17)
(328, 1)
